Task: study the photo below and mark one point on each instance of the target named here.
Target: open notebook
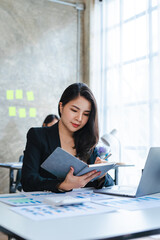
(149, 182)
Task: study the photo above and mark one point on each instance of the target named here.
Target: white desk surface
(117, 225)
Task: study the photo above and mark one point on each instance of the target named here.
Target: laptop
(149, 182)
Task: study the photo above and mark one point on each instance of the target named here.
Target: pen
(107, 156)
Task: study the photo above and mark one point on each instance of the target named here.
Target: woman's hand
(99, 160)
(72, 181)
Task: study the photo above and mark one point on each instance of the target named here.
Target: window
(126, 79)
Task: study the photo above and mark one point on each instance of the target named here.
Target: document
(60, 161)
(132, 204)
(43, 212)
(26, 199)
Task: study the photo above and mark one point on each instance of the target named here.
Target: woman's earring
(60, 107)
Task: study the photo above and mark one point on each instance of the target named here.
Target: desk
(113, 225)
(11, 166)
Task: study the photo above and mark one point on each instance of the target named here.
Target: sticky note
(30, 96)
(22, 112)
(19, 94)
(10, 94)
(32, 112)
(12, 111)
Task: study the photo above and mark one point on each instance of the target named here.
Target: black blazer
(41, 142)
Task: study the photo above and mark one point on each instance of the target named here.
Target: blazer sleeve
(31, 179)
(106, 181)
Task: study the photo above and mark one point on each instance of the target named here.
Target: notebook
(149, 182)
(60, 161)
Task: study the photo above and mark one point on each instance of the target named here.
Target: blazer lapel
(53, 137)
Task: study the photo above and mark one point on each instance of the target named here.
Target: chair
(18, 185)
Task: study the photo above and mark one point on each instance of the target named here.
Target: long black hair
(87, 137)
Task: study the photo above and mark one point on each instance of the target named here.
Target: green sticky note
(22, 112)
(19, 94)
(12, 111)
(30, 96)
(10, 94)
(32, 112)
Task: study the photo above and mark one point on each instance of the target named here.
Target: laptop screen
(150, 180)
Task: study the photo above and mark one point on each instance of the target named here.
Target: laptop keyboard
(122, 190)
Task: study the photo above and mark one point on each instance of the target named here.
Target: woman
(50, 120)
(76, 132)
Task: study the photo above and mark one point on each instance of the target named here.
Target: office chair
(18, 185)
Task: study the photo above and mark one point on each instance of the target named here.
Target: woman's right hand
(72, 181)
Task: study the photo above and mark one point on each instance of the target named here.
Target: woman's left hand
(98, 161)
